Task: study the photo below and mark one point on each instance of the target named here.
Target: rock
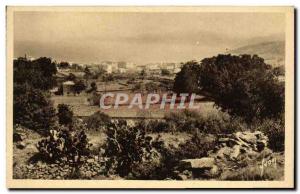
(90, 160)
(223, 152)
(21, 145)
(18, 137)
(94, 173)
(197, 163)
(53, 169)
(236, 150)
(181, 177)
(247, 137)
(214, 171)
(88, 174)
(223, 139)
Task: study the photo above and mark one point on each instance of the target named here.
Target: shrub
(154, 126)
(65, 114)
(125, 148)
(198, 146)
(274, 129)
(190, 121)
(64, 145)
(79, 86)
(165, 72)
(32, 108)
(221, 123)
(184, 121)
(97, 120)
(253, 173)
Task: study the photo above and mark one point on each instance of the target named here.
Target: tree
(187, 80)
(93, 87)
(243, 86)
(32, 108)
(87, 74)
(165, 72)
(65, 114)
(64, 65)
(71, 77)
(143, 73)
(79, 86)
(38, 73)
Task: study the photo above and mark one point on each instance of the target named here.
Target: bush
(126, 147)
(189, 121)
(153, 126)
(32, 108)
(198, 146)
(274, 129)
(169, 156)
(79, 86)
(97, 120)
(65, 114)
(184, 121)
(64, 145)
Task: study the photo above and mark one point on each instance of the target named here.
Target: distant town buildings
(156, 68)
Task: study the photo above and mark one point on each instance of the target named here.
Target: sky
(141, 38)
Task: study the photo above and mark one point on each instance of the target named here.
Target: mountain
(273, 52)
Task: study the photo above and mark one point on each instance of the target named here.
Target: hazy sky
(87, 37)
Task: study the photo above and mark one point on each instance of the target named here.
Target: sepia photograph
(150, 97)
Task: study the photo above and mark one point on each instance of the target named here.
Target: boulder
(21, 145)
(197, 163)
(90, 160)
(18, 137)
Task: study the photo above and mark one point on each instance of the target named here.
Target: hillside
(273, 52)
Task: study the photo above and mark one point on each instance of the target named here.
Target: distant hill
(273, 52)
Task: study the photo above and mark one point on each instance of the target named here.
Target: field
(81, 108)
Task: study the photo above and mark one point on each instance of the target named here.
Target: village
(97, 80)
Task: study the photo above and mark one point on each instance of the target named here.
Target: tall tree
(187, 80)
(243, 86)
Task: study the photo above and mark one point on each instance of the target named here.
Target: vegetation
(274, 129)
(63, 65)
(64, 145)
(65, 114)
(125, 148)
(32, 108)
(190, 121)
(71, 77)
(243, 86)
(187, 80)
(165, 72)
(37, 73)
(79, 86)
(97, 121)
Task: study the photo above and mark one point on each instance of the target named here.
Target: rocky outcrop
(231, 151)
